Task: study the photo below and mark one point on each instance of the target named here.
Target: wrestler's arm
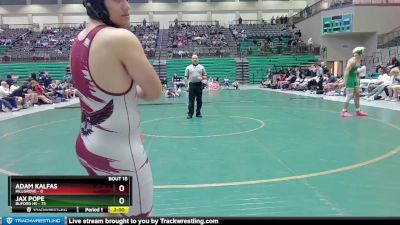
(130, 52)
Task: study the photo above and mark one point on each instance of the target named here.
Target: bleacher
(255, 45)
(257, 30)
(185, 40)
(4, 48)
(392, 43)
(54, 41)
(215, 67)
(55, 69)
(258, 66)
(148, 36)
(9, 36)
(277, 39)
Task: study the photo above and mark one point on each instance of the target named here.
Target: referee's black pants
(195, 92)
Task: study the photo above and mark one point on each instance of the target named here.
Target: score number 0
(121, 200)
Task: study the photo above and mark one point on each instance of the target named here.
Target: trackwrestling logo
(33, 220)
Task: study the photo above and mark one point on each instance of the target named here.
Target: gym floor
(254, 153)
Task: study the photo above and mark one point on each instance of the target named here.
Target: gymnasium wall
(15, 20)
(225, 12)
(340, 47)
(74, 18)
(366, 27)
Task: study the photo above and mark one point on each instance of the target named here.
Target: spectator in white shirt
(310, 44)
(384, 80)
(4, 96)
(394, 89)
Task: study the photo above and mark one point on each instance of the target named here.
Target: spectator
(393, 63)
(42, 95)
(9, 81)
(32, 77)
(6, 104)
(394, 88)
(319, 71)
(68, 77)
(324, 68)
(334, 83)
(46, 79)
(226, 82)
(235, 84)
(383, 81)
(5, 97)
(164, 83)
(310, 44)
(171, 93)
(25, 92)
(320, 85)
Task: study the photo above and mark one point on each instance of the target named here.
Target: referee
(195, 73)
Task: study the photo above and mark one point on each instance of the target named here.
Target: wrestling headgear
(359, 51)
(98, 11)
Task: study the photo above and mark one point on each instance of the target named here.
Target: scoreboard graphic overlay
(337, 24)
(75, 194)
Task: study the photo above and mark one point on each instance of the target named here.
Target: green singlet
(352, 80)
